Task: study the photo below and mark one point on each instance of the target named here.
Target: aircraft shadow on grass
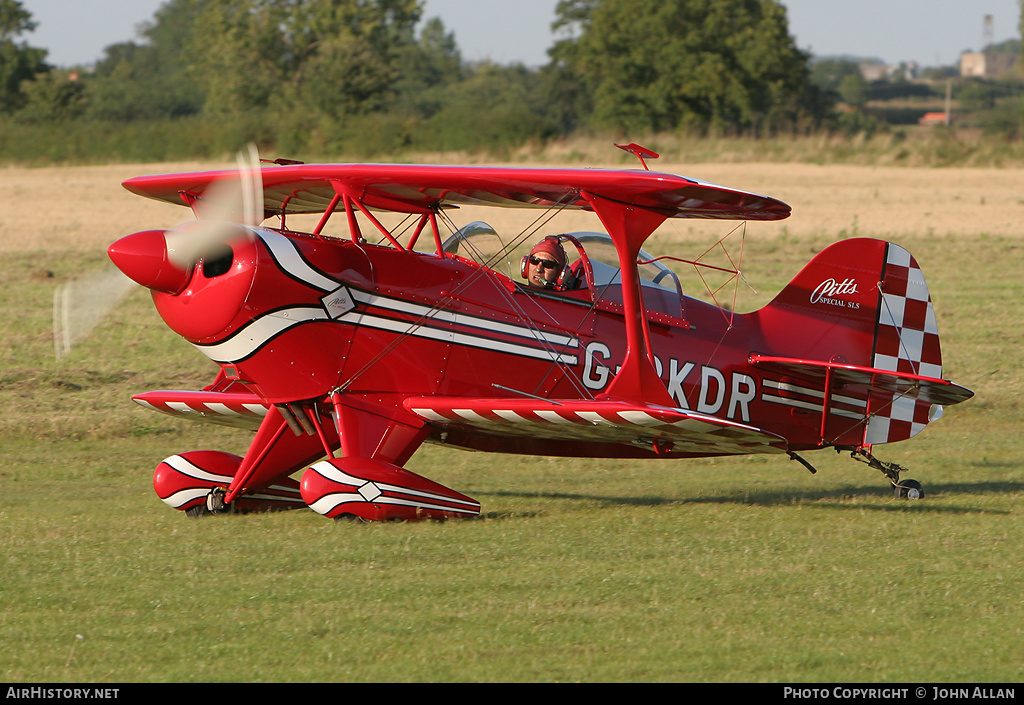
(842, 498)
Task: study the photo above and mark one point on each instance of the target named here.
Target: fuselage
(295, 317)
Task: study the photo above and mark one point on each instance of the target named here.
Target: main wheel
(908, 489)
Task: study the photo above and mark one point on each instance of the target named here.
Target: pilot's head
(544, 263)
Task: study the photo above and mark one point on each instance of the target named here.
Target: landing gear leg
(902, 489)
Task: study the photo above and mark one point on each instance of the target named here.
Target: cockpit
(591, 273)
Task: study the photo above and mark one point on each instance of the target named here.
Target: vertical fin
(864, 303)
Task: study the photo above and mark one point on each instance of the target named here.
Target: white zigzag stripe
(328, 502)
(335, 475)
(251, 337)
(258, 332)
(291, 262)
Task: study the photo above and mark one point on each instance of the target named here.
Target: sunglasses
(543, 263)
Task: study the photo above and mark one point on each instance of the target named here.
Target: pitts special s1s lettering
(345, 353)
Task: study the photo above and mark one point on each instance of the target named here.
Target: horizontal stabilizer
(238, 410)
(903, 384)
(663, 428)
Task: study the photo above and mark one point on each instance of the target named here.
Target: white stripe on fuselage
(291, 262)
(258, 332)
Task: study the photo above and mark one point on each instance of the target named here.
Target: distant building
(986, 64)
(874, 71)
(934, 119)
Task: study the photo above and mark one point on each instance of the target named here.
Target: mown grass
(748, 569)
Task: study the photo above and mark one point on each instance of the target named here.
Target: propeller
(79, 305)
(224, 206)
(162, 260)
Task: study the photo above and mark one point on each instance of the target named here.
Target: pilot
(545, 263)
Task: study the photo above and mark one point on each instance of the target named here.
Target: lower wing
(238, 410)
(659, 428)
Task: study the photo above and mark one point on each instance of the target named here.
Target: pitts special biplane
(345, 353)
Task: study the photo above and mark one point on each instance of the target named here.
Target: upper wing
(598, 421)
(312, 188)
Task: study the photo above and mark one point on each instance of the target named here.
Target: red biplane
(346, 352)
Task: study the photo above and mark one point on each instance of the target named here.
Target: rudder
(906, 341)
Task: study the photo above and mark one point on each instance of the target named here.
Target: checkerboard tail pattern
(907, 340)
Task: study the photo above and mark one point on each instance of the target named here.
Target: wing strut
(629, 226)
(275, 452)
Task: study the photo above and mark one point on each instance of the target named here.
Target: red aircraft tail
(858, 319)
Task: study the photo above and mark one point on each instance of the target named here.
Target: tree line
(357, 77)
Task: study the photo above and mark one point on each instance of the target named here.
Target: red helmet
(553, 247)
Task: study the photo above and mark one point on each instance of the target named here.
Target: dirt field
(82, 208)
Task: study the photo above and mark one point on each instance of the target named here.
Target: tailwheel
(908, 489)
(902, 489)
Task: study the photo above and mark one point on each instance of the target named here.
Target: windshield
(481, 243)
(605, 263)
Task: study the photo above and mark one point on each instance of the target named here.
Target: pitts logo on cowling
(828, 290)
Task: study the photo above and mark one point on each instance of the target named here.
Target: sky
(930, 32)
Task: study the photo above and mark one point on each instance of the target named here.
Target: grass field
(747, 570)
